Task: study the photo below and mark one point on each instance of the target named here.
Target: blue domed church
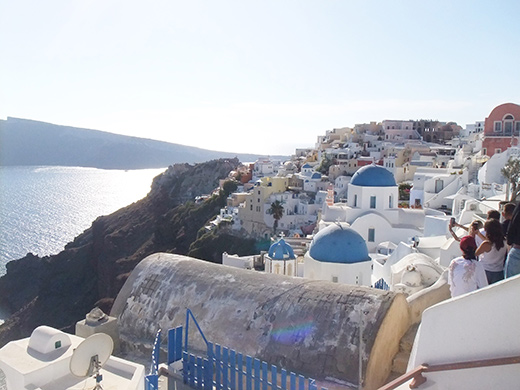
(338, 254)
(281, 259)
(372, 209)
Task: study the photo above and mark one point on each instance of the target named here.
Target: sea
(42, 208)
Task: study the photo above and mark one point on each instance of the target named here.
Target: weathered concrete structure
(307, 326)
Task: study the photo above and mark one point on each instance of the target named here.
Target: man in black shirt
(507, 214)
(513, 239)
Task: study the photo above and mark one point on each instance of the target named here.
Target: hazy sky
(255, 76)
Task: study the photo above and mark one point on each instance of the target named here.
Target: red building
(501, 129)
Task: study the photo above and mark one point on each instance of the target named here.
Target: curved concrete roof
(306, 326)
(373, 176)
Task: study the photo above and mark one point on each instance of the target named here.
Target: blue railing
(188, 315)
(222, 368)
(151, 381)
(226, 369)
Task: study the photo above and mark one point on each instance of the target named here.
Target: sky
(260, 77)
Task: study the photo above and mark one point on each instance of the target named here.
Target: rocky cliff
(59, 290)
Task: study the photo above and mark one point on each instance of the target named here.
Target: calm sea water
(44, 208)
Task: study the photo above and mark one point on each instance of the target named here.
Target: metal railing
(418, 379)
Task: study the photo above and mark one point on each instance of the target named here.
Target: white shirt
(479, 240)
(493, 260)
(465, 276)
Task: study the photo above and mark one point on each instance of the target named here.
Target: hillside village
(357, 296)
(436, 170)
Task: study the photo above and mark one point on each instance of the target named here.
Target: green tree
(229, 187)
(276, 210)
(404, 191)
(326, 163)
(511, 172)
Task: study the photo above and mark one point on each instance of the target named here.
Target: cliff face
(59, 290)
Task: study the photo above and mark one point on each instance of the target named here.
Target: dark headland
(59, 290)
(28, 142)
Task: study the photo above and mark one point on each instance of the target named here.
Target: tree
(511, 172)
(404, 191)
(326, 163)
(229, 186)
(276, 210)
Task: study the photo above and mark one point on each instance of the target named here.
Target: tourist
(513, 240)
(507, 214)
(475, 226)
(493, 214)
(492, 252)
(465, 273)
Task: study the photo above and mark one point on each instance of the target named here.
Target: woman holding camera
(492, 251)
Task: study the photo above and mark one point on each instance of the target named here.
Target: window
(517, 127)
(371, 235)
(508, 127)
(498, 150)
(498, 127)
(334, 279)
(484, 151)
(390, 202)
(57, 344)
(355, 200)
(372, 202)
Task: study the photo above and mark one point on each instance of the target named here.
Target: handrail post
(418, 379)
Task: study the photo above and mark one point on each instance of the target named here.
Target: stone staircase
(401, 358)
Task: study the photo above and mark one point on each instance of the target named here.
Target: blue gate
(222, 368)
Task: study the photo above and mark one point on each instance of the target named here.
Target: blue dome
(339, 244)
(316, 175)
(373, 176)
(280, 250)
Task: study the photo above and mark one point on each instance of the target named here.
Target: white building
(265, 167)
(298, 210)
(398, 131)
(372, 209)
(432, 187)
(490, 172)
(471, 336)
(42, 362)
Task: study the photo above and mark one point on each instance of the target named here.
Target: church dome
(373, 176)
(338, 243)
(281, 250)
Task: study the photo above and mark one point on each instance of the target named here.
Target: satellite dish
(88, 358)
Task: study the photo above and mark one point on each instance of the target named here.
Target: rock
(59, 290)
